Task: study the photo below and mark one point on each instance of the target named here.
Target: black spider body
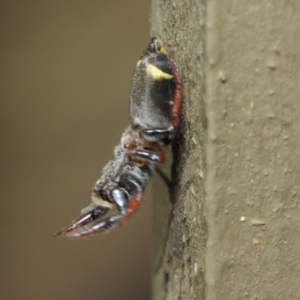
(155, 102)
(153, 86)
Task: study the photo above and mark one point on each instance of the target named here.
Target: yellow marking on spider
(164, 51)
(97, 200)
(157, 74)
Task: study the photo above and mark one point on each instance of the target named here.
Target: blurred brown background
(65, 70)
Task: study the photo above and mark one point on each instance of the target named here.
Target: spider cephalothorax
(155, 102)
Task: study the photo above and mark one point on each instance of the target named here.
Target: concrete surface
(234, 231)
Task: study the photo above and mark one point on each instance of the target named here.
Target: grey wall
(233, 232)
(253, 108)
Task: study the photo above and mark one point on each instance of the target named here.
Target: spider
(155, 103)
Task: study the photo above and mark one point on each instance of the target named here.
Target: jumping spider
(155, 103)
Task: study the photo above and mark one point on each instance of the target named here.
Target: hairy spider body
(155, 102)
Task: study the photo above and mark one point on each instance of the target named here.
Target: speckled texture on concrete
(180, 234)
(252, 86)
(234, 231)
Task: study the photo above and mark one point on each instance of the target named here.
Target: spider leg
(132, 207)
(159, 135)
(83, 220)
(158, 156)
(103, 225)
(164, 177)
(126, 206)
